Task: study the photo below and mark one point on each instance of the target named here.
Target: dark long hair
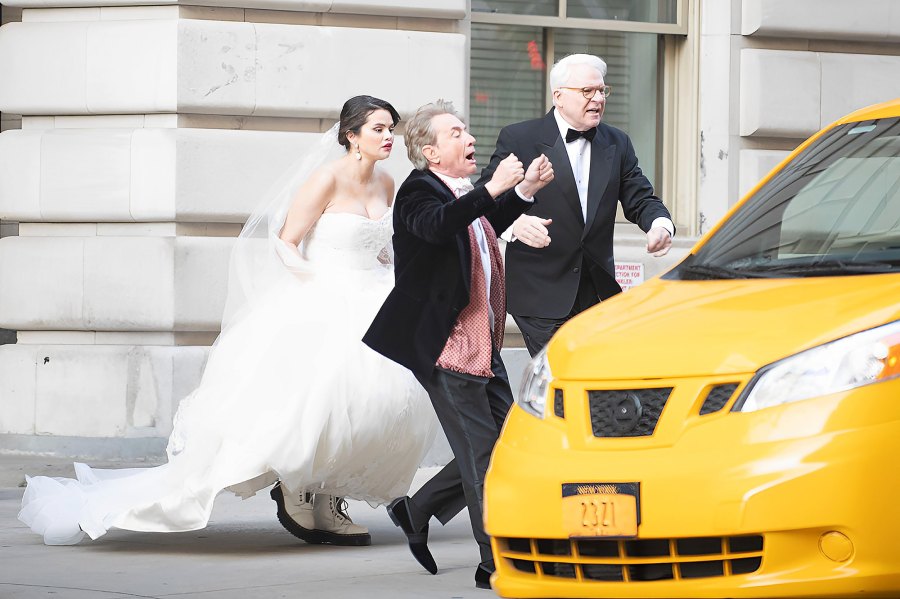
(355, 112)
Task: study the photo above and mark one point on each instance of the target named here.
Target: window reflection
(631, 60)
(507, 81)
(518, 7)
(645, 11)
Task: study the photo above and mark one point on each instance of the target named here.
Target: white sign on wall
(629, 274)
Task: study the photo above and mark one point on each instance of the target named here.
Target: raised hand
(508, 173)
(532, 230)
(538, 175)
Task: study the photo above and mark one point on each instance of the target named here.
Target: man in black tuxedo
(596, 169)
(444, 319)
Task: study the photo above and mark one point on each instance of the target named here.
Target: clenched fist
(509, 172)
(539, 173)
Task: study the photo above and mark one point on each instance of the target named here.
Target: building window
(517, 7)
(637, 11)
(643, 11)
(508, 81)
(515, 42)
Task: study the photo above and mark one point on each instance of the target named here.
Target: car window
(835, 210)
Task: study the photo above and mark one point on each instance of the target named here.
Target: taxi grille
(634, 560)
(626, 412)
(717, 397)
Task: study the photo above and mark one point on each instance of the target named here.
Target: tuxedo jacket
(432, 267)
(543, 282)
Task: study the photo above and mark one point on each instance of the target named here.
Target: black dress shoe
(399, 512)
(483, 575)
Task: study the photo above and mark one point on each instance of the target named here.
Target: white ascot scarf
(459, 185)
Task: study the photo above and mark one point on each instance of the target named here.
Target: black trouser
(471, 410)
(537, 331)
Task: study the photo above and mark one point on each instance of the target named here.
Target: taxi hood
(674, 328)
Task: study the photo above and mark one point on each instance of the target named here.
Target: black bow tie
(572, 134)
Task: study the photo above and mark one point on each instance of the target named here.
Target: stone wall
(773, 72)
(147, 134)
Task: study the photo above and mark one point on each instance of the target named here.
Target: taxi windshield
(833, 211)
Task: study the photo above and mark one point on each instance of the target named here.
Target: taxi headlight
(535, 384)
(860, 359)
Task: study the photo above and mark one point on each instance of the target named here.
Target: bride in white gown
(289, 393)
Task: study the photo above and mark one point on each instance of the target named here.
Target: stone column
(148, 134)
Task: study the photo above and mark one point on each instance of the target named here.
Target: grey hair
(420, 133)
(559, 74)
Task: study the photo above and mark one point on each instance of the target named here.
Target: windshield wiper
(708, 271)
(837, 267)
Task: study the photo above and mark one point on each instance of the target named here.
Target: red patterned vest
(468, 350)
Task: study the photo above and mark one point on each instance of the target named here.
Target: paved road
(243, 554)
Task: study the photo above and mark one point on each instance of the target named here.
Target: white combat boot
(334, 526)
(295, 512)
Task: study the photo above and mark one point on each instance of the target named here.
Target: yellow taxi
(732, 427)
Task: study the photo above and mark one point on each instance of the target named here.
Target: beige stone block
(58, 229)
(42, 283)
(867, 20)
(153, 193)
(17, 390)
(56, 337)
(425, 83)
(332, 19)
(47, 76)
(201, 280)
(20, 175)
(854, 81)
(780, 93)
(134, 338)
(138, 13)
(131, 66)
(217, 67)
(136, 229)
(222, 175)
(96, 391)
(61, 15)
(99, 121)
(282, 16)
(294, 79)
(128, 284)
(80, 391)
(445, 9)
(212, 13)
(756, 164)
(92, 167)
(38, 122)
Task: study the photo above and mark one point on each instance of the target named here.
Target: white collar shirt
(579, 152)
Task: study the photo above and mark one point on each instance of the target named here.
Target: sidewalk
(243, 554)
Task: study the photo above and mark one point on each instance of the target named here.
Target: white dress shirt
(579, 152)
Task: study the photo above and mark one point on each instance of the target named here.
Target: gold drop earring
(358, 155)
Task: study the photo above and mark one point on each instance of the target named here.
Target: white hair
(559, 74)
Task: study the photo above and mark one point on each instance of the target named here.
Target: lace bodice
(343, 239)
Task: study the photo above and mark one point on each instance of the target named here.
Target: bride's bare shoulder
(386, 181)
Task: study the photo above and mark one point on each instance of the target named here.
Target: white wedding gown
(290, 392)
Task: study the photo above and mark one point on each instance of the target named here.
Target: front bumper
(731, 504)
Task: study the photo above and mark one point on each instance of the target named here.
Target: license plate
(601, 509)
